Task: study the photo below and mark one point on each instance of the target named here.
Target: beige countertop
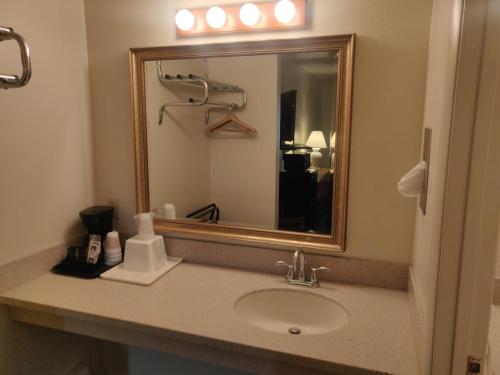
(195, 303)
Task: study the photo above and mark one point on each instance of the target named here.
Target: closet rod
(196, 80)
(205, 83)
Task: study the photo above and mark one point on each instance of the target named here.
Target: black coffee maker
(98, 220)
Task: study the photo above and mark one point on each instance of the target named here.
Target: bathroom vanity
(244, 200)
(193, 312)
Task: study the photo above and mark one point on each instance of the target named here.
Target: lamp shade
(316, 139)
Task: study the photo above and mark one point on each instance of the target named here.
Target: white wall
(243, 170)
(390, 66)
(46, 153)
(437, 115)
(178, 150)
(46, 162)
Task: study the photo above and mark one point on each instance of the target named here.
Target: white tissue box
(144, 253)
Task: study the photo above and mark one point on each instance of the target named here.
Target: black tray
(83, 270)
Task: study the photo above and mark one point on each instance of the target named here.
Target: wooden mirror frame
(344, 44)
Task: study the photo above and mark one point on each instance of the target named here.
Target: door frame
(470, 217)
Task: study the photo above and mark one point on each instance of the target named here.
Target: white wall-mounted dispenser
(145, 258)
(415, 181)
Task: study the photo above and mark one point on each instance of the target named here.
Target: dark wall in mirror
(308, 94)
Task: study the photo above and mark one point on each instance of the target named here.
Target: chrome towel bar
(8, 81)
(207, 85)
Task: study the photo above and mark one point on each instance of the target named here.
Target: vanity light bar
(246, 17)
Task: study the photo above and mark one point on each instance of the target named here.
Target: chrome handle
(314, 276)
(280, 263)
(289, 274)
(321, 269)
(13, 81)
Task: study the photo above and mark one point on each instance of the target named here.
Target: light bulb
(284, 11)
(216, 17)
(249, 14)
(184, 20)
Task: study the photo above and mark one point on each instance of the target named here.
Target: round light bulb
(184, 20)
(284, 11)
(216, 17)
(249, 14)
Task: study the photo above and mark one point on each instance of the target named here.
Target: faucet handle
(289, 274)
(314, 276)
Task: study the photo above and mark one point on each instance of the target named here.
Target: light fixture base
(315, 158)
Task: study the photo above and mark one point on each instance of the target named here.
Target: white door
(468, 255)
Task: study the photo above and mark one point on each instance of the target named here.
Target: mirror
(246, 140)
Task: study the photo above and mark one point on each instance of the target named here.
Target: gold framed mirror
(288, 144)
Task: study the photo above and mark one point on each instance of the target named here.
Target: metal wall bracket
(8, 81)
(426, 156)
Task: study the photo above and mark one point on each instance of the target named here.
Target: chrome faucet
(299, 277)
(299, 256)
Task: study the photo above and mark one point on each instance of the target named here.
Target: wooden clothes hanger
(231, 119)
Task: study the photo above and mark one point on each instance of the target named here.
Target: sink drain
(294, 331)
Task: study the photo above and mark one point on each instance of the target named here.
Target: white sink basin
(291, 311)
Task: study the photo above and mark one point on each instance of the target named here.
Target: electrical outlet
(114, 203)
